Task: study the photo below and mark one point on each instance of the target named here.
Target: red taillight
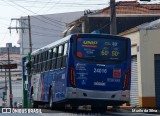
(126, 80)
(79, 39)
(79, 54)
(72, 77)
(124, 95)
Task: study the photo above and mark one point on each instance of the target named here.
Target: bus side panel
(59, 85)
(46, 86)
(42, 83)
(41, 89)
(35, 86)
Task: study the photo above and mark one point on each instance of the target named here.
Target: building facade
(45, 29)
(13, 49)
(15, 58)
(145, 76)
(128, 15)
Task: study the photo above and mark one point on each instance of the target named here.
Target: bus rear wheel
(51, 99)
(98, 108)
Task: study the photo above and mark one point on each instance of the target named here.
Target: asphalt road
(120, 112)
(81, 112)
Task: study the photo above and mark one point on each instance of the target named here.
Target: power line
(55, 23)
(65, 3)
(60, 5)
(52, 20)
(54, 5)
(39, 34)
(42, 28)
(5, 35)
(29, 30)
(43, 33)
(44, 6)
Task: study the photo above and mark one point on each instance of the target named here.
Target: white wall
(148, 42)
(149, 45)
(134, 41)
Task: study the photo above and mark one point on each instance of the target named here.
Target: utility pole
(10, 82)
(113, 25)
(25, 103)
(5, 86)
(29, 29)
(30, 42)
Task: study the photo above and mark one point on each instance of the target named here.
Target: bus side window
(35, 65)
(32, 64)
(65, 54)
(38, 63)
(50, 59)
(54, 57)
(60, 56)
(41, 62)
(46, 61)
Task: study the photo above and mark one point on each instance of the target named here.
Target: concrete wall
(134, 41)
(149, 45)
(145, 43)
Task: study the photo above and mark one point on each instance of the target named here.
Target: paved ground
(120, 112)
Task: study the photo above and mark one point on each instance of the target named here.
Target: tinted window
(65, 49)
(60, 50)
(54, 52)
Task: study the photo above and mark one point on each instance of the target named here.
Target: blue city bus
(81, 69)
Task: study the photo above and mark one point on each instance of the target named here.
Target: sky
(17, 8)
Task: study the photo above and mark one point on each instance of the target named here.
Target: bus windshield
(101, 49)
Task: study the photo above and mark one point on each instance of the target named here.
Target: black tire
(98, 108)
(74, 108)
(34, 104)
(51, 106)
(60, 106)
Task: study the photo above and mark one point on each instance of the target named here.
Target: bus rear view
(99, 70)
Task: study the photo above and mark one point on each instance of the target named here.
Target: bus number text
(99, 70)
(104, 52)
(115, 53)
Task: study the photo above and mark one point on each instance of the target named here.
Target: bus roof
(47, 47)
